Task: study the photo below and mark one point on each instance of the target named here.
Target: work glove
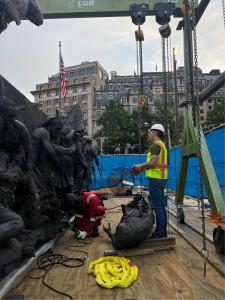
(81, 235)
(136, 170)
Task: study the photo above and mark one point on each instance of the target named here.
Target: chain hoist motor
(164, 11)
(138, 13)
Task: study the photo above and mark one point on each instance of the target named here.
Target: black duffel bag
(135, 224)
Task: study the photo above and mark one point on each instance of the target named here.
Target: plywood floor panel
(163, 275)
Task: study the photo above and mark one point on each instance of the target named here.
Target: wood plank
(168, 241)
(137, 251)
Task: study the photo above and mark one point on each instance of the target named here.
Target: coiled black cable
(48, 260)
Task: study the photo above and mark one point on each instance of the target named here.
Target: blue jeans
(156, 193)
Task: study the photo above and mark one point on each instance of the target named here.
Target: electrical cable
(48, 260)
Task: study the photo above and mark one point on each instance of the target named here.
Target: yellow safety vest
(161, 171)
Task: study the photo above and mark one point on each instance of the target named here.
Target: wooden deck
(174, 274)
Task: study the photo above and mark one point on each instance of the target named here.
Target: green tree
(216, 116)
(115, 123)
(120, 127)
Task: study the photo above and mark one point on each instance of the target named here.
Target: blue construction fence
(216, 143)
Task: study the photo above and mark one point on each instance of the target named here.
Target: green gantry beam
(96, 8)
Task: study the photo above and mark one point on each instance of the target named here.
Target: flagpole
(60, 54)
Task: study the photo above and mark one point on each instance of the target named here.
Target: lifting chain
(204, 250)
(137, 52)
(223, 4)
(188, 52)
(165, 70)
(165, 87)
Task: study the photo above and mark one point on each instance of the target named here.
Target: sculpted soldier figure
(16, 157)
(47, 161)
(90, 157)
(15, 161)
(17, 10)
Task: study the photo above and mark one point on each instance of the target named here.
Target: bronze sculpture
(17, 10)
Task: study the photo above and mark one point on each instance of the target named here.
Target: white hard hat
(158, 127)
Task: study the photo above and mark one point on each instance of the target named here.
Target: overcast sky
(29, 53)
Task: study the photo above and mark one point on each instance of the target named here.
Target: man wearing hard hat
(157, 174)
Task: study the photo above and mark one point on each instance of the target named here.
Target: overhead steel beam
(198, 13)
(212, 88)
(54, 9)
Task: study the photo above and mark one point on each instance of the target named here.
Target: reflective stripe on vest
(161, 171)
(78, 216)
(90, 197)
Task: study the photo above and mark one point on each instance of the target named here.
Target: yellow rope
(113, 271)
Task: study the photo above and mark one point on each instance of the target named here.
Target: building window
(57, 93)
(72, 74)
(85, 79)
(157, 98)
(49, 110)
(85, 106)
(110, 96)
(202, 118)
(75, 89)
(85, 97)
(98, 104)
(49, 102)
(210, 101)
(110, 86)
(98, 114)
(82, 72)
(210, 107)
(48, 94)
(124, 100)
(85, 115)
(201, 111)
(84, 88)
(157, 90)
(56, 101)
(134, 100)
(98, 96)
(40, 87)
(91, 71)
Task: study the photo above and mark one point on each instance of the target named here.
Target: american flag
(62, 78)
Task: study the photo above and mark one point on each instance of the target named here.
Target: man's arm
(155, 151)
(61, 150)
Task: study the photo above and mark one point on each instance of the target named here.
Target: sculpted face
(55, 128)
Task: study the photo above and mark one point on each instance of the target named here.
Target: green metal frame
(96, 8)
(190, 148)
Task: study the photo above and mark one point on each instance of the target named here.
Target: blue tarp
(216, 144)
(108, 163)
